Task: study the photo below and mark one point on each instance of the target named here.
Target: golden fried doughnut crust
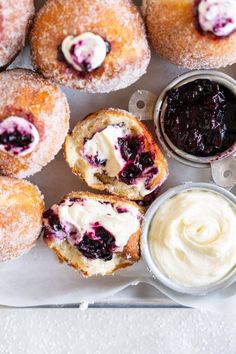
(117, 21)
(28, 95)
(21, 209)
(173, 34)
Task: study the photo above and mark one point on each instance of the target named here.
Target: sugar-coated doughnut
(21, 210)
(15, 19)
(91, 45)
(193, 33)
(34, 120)
(90, 232)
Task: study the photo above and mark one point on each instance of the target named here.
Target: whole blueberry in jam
(130, 173)
(16, 139)
(200, 118)
(129, 147)
(101, 246)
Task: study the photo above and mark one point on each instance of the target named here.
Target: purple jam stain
(95, 161)
(200, 118)
(101, 246)
(16, 139)
(121, 210)
(148, 199)
(108, 46)
(85, 65)
(53, 220)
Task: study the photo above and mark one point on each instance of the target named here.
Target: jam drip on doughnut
(200, 118)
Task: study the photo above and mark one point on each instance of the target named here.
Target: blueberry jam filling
(53, 220)
(145, 160)
(16, 139)
(200, 118)
(101, 246)
(129, 147)
(135, 168)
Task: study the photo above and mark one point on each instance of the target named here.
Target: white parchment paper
(38, 278)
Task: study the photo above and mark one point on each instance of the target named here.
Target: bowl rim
(152, 266)
(170, 148)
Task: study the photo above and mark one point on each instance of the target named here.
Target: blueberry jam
(53, 220)
(200, 118)
(101, 246)
(129, 147)
(16, 139)
(136, 161)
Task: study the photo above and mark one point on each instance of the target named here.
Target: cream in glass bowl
(189, 238)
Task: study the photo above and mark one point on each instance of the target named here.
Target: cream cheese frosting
(85, 52)
(84, 214)
(217, 16)
(104, 154)
(193, 238)
(104, 146)
(18, 136)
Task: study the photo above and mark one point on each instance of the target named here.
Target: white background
(131, 331)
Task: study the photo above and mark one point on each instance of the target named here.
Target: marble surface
(95, 331)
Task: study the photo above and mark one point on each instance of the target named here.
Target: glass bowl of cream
(189, 238)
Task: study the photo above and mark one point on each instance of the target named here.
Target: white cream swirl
(217, 16)
(85, 52)
(193, 237)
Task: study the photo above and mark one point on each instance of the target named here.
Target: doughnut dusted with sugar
(21, 210)
(15, 19)
(34, 120)
(193, 34)
(90, 45)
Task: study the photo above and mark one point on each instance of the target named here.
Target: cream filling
(83, 215)
(193, 237)
(10, 125)
(89, 51)
(104, 147)
(218, 16)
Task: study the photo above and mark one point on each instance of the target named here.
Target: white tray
(39, 272)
